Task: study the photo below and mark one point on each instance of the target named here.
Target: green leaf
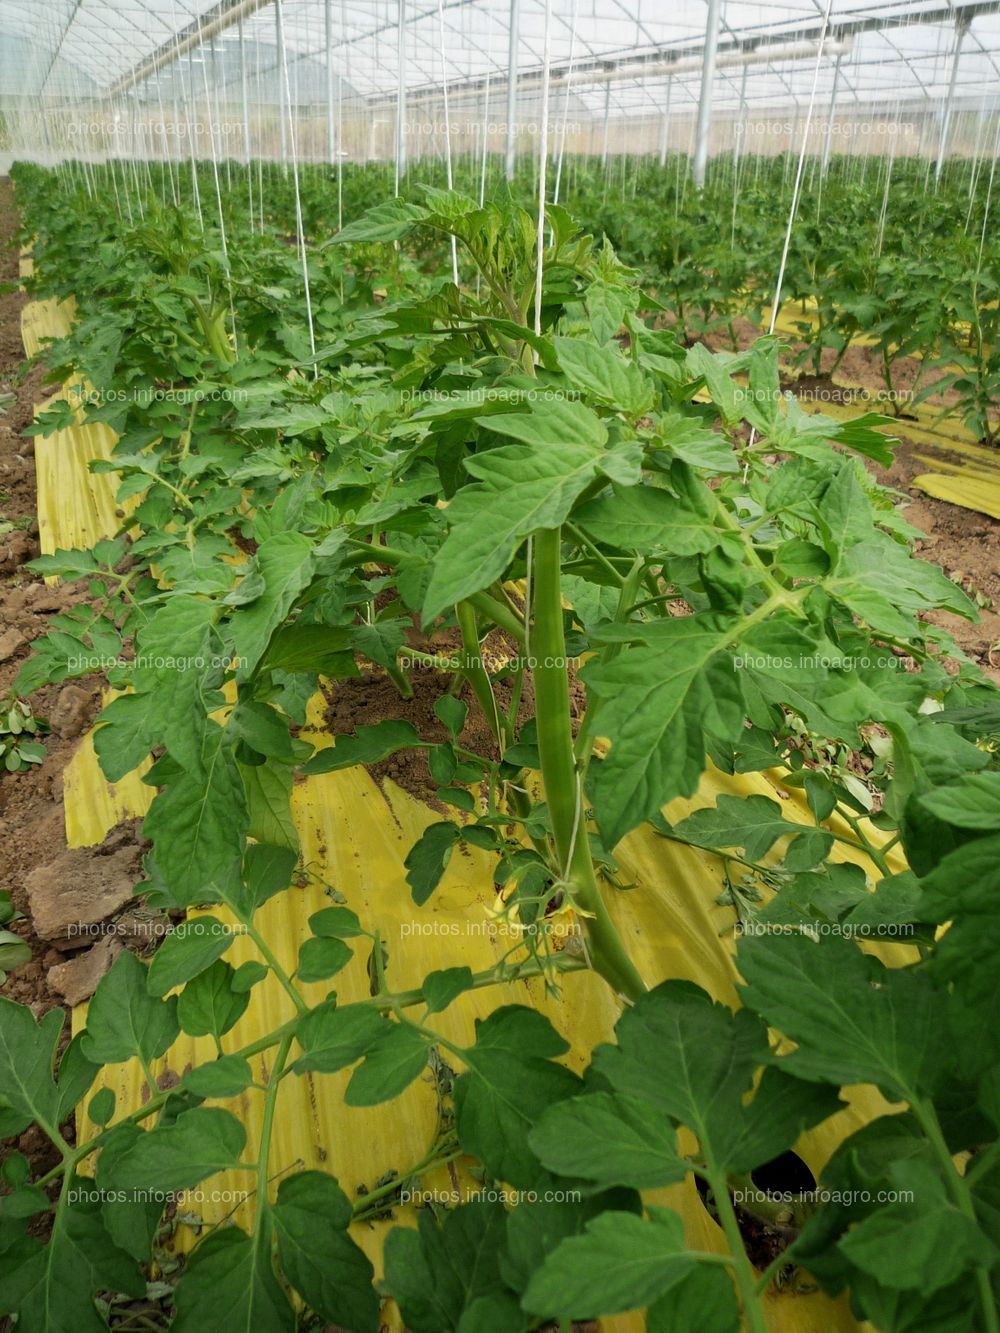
(511, 1080)
(648, 520)
(285, 562)
(334, 1036)
(322, 958)
(319, 1259)
(384, 222)
(853, 1019)
(656, 701)
(440, 988)
(704, 1299)
(268, 789)
(210, 1004)
(694, 1061)
(229, 1283)
(190, 948)
(126, 730)
(225, 1077)
(452, 712)
(27, 1057)
(448, 1268)
(263, 729)
(397, 1057)
(520, 489)
(291, 418)
(604, 374)
(335, 923)
(101, 1107)
(198, 824)
(610, 1139)
(754, 823)
(972, 803)
(923, 1244)
(267, 870)
(125, 1020)
(52, 1288)
(131, 1217)
(621, 1262)
(367, 746)
(963, 883)
(200, 1143)
(174, 656)
(382, 639)
(428, 858)
(14, 951)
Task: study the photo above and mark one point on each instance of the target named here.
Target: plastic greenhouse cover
(79, 49)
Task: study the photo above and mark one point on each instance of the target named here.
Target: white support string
(340, 118)
(543, 154)
(565, 114)
(447, 132)
(283, 56)
(486, 131)
(215, 159)
(793, 209)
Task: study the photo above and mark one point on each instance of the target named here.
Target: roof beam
(658, 58)
(215, 20)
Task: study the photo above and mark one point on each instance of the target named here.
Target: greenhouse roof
(623, 52)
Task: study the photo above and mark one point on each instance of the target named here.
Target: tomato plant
(655, 524)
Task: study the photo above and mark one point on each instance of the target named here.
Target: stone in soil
(71, 896)
(11, 642)
(77, 978)
(71, 713)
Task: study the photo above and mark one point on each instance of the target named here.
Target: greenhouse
(499, 666)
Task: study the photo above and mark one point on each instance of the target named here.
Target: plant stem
(961, 1195)
(743, 1271)
(273, 1084)
(561, 779)
(494, 976)
(476, 674)
(269, 957)
(434, 1158)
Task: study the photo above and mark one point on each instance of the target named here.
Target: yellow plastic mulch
(77, 509)
(354, 837)
(974, 487)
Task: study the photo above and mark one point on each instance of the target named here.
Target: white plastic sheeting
(618, 60)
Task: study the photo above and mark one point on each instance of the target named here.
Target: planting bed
(570, 805)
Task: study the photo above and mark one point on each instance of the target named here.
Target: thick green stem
(961, 1195)
(743, 1271)
(563, 788)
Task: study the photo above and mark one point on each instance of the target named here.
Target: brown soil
(371, 697)
(31, 802)
(860, 369)
(965, 544)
